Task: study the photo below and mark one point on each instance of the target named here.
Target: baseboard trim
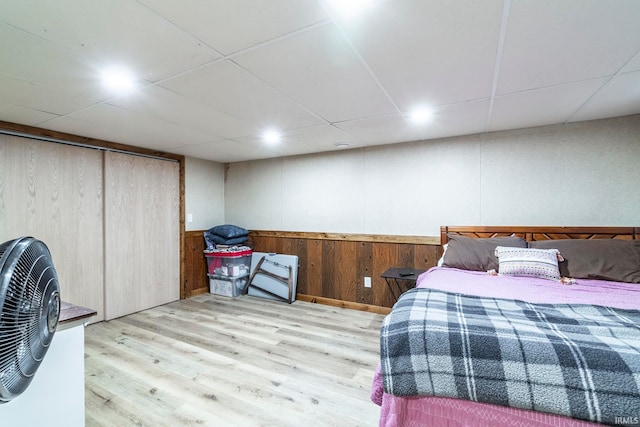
(343, 304)
(320, 300)
(198, 291)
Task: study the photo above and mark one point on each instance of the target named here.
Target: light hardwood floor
(216, 361)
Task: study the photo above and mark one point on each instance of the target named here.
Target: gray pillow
(228, 231)
(467, 253)
(604, 259)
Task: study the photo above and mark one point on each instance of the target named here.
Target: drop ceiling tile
(320, 138)
(286, 147)
(29, 58)
(318, 69)
(38, 97)
(543, 106)
(430, 52)
(224, 151)
(301, 67)
(114, 32)
(230, 26)
(95, 130)
(23, 115)
(228, 88)
(380, 130)
(463, 118)
(456, 119)
(551, 42)
(619, 97)
(300, 141)
(128, 127)
(166, 105)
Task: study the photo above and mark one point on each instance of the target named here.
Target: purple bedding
(583, 291)
(414, 411)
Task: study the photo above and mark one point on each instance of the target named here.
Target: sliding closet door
(142, 233)
(53, 192)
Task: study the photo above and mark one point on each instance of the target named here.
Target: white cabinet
(55, 397)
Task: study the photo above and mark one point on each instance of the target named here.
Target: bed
(530, 326)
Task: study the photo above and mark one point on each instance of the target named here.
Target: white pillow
(444, 251)
(528, 262)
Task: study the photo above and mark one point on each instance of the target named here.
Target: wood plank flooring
(215, 361)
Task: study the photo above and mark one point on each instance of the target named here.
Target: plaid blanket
(580, 361)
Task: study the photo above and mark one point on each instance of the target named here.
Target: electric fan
(29, 312)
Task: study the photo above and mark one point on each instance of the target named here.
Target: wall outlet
(189, 217)
(367, 282)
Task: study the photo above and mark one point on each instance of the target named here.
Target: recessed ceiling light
(118, 79)
(421, 115)
(272, 136)
(342, 144)
(348, 7)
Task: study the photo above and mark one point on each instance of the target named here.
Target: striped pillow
(528, 262)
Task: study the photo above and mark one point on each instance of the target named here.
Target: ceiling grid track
(496, 70)
(367, 67)
(604, 86)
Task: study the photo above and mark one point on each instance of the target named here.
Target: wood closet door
(53, 192)
(142, 233)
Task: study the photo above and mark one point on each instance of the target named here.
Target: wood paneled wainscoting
(332, 266)
(195, 281)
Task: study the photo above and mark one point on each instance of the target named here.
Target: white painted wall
(585, 173)
(204, 193)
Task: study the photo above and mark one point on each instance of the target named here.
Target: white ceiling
(214, 74)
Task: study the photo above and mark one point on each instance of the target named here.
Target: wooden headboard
(531, 233)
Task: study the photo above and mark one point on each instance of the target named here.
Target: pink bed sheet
(595, 292)
(441, 411)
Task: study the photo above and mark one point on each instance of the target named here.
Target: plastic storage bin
(227, 287)
(229, 262)
(228, 270)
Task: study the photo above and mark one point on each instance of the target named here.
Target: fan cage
(29, 312)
